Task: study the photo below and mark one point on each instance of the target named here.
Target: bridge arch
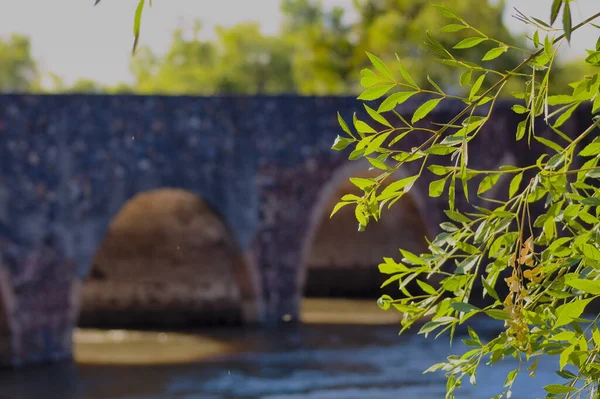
(169, 260)
(333, 247)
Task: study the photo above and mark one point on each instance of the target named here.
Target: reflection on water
(144, 348)
(314, 361)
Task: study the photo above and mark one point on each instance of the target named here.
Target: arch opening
(342, 263)
(167, 261)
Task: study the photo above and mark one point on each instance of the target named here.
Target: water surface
(312, 361)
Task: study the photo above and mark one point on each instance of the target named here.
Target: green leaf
(465, 77)
(377, 163)
(450, 28)
(362, 183)
(356, 154)
(515, 183)
(344, 125)
(498, 314)
(521, 127)
(560, 99)
(341, 143)
(377, 117)
(558, 389)
(587, 286)
(568, 312)
(510, 378)
(375, 92)
(566, 374)
(395, 99)
(488, 182)
(457, 217)
(452, 193)
(596, 104)
(564, 356)
(539, 21)
(494, 53)
(567, 23)
(427, 288)
(548, 47)
(375, 144)
(360, 216)
(436, 187)
(399, 185)
(536, 39)
(438, 170)
(432, 325)
(351, 198)
(391, 267)
(591, 201)
(519, 109)
(435, 367)
(463, 307)
(549, 143)
(476, 86)
(440, 149)
(489, 289)
(437, 87)
(362, 127)
(435, 46)
(411, 258)
(558, 243)
(380, 66)
(565, 116)
(447, 12)
(596, 335)
(449, 227)
(556, 6)
(391, 280)
(384, 302)
(369, 78)
(591, 149)
(469, 42)
(337, 207)
(590, 251)
(137, 22)
(406, 76)
(425, 109)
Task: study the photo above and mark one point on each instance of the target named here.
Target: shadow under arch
(169, 261)
(6, 338)
(337, 260)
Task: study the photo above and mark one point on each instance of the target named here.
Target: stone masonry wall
(68, 164)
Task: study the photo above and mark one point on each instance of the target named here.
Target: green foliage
(317, 51)
(137, 21)
(240, 60)
(549, 263)
(18, 69)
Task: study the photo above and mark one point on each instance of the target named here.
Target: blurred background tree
(18, 70)
(324, 49)
(318, 50)
(240, 60)
(565, 73)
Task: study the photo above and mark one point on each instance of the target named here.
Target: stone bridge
(179, 211)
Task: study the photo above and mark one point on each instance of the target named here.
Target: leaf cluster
(534, 255)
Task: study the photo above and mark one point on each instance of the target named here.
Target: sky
(74, 39)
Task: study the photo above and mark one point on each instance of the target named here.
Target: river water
(335, 355)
